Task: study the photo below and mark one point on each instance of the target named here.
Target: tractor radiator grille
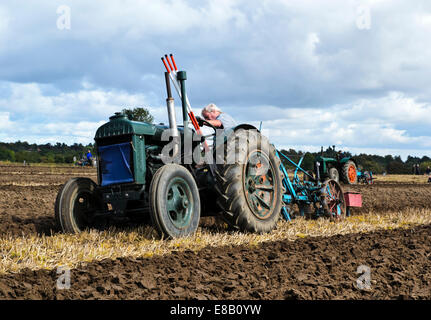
(115, 163)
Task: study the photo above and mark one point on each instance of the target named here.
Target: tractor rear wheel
(350, 173)
(174, 202)
(76, 203)
(250, 185)
(333, 201)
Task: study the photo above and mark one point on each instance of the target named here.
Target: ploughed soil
(27, 196)
(392, 197)
(311, 268)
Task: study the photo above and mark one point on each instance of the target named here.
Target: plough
(327, 198)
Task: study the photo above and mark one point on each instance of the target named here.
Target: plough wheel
(333, 201)
(249, 182)
(368, 178)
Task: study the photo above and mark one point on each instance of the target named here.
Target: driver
(217, 118)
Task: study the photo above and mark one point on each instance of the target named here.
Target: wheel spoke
(331, 209)
(262, 201)
(176, 192)
(170, 204)
(264, 186)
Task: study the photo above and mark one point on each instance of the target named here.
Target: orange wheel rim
(352, 173)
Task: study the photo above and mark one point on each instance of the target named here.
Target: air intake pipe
(172, 117)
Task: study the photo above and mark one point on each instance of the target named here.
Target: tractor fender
(344, 160)
(245, 126)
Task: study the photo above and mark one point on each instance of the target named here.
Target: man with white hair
(217, 118)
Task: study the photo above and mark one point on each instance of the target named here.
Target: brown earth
(27, 196)
(310, 268)
(392, 197)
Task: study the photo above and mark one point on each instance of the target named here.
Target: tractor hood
(119, 124)
(325, 159)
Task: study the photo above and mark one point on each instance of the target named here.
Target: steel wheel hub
(179, 202)
(259, 185)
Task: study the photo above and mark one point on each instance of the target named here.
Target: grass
(402, 178)
(48, 252)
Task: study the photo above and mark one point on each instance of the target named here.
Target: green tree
(139, 114)
(397, 167)
(6, 154)
(59, 158)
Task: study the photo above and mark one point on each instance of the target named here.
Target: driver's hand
(200, 121)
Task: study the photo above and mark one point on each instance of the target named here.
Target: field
(303, 259)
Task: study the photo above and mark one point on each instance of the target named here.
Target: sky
(350, 73)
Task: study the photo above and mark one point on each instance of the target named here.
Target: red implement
(353, 199)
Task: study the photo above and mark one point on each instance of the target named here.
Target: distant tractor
(338, 168)
(133, 180)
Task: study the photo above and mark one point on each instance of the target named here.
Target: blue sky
(351, 73)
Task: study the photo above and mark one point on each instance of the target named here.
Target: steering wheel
(210, 125)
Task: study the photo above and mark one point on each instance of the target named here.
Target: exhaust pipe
(172, 117)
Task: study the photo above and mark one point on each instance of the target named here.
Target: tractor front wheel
(174, 202)
(76, 203)
(333, 174)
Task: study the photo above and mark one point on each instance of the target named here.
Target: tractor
(338, 168)
(146, 170)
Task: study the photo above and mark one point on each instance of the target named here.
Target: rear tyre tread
(231, 197)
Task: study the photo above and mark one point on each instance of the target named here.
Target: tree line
(42, 153)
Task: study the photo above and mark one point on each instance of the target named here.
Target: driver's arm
(215, 123)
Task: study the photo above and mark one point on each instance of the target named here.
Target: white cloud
(380, 125)
(28, 101)
(5, 123)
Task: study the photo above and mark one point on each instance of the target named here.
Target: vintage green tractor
(135, 179)
(338, 168)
